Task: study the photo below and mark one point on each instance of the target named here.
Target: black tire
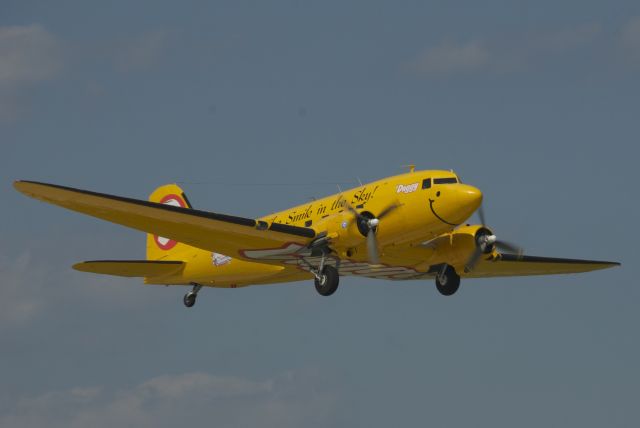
(329, 283)
(449, 284)
(189, 299)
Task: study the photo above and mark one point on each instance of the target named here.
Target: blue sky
(254, 107)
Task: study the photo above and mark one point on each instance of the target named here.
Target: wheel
(449, 282)
(189, 299)
(328, 282)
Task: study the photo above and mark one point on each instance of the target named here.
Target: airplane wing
(514, 265)
(209, 231)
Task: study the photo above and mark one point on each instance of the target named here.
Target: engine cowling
(458, 247)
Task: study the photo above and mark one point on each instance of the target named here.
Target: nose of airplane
(469, 200)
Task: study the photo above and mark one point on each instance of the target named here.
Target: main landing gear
(189, 299)
(327, 277)
(327, 281)
(447, 280)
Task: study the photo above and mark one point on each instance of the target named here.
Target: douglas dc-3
(406, 227)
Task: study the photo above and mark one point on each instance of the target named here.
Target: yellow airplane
(406, 227)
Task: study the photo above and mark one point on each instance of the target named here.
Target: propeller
(481, 215)
(368, 226)
(486, 242)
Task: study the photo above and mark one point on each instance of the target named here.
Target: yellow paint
(424, 232)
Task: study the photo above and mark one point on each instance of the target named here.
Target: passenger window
(426, 183)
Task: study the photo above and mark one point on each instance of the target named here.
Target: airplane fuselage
(430, 203)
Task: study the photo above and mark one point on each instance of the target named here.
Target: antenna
(359, 180)
(412, 167)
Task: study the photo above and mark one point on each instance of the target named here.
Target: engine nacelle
(457, 247)
(342, 229)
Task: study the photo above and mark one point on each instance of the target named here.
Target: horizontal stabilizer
(131, 268)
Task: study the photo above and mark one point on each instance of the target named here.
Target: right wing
(514, 265)
(209, 231)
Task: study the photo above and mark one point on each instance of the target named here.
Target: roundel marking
(176, 201)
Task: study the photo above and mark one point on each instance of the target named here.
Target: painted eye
(438, 193)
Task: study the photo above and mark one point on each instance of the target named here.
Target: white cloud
(511, 53)
(630, 39)
(19, 300)
(566, 39)
(173, 400)
(27, 287)
(140, 52)
(11, 105)
(171, 387)
(452, 58)
(28, 54)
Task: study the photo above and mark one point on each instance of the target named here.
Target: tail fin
(158, 247)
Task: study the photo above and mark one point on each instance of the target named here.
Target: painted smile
(431, 201)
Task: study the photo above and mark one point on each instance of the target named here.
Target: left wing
(514, 265)
(210, 231)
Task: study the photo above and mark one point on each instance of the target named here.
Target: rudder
(158, 247)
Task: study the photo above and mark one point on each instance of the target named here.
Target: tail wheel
(448, 281)
(189, 299)
(327, 284)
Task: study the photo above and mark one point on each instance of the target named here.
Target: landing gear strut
(447, 281)
(189, 299)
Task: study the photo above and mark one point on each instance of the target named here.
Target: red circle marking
(176, 201)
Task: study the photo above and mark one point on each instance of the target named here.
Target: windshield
(448, 180)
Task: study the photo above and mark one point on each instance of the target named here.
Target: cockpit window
(448, 180)
(426, 183)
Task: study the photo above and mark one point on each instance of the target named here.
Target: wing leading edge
(210, 231)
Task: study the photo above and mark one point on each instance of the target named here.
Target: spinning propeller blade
(388, 210)
(371, 226)
(481, 215)
(485, 243)
(509, 247)
(372, 247)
